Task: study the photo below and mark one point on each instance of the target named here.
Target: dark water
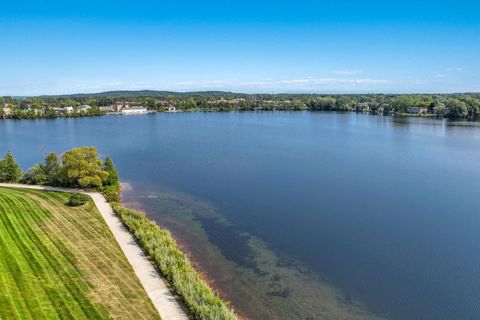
(386, 210)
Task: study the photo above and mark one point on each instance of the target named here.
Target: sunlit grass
(60, 262)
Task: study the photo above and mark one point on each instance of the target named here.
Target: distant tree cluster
(77, 168)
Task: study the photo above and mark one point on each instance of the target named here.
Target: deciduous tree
(83, 168)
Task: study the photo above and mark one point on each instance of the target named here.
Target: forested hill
(140, 93)
(163, 93)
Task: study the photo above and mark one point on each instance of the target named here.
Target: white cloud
(113, 86)
(458, 69)
(336, 82)
(310, 83)
(420, 82)
(347, 72)
(302, 81)
(184, 83)
(300, 84)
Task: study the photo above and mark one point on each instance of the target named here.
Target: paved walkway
(166, 304)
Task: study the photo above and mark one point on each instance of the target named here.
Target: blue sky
(53, 47)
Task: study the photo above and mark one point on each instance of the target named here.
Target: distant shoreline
(396, 115)
(453, 106)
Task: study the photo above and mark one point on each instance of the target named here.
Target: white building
(84, 108)
(417, 110)
(63, 110)
(6, 111)
(106, 108)
(134, 110)
(117, 107)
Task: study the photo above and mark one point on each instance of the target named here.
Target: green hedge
(159, 245)
(77, 199)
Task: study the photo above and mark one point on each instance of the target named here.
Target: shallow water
(301, 215)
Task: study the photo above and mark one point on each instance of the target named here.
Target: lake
(301, 215)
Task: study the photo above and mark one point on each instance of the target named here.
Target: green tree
(109, 167)
(52, 169)
(9, 169)
(457, 108)
(83, 168)
(35, 175)
(402, 103)
(343, 104)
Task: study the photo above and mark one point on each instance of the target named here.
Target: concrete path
(168, 307)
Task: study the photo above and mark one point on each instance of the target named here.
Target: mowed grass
(60, 262)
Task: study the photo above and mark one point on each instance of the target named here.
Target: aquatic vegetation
(161, 248)
(258, 281)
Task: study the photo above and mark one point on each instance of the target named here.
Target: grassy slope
(63, 262)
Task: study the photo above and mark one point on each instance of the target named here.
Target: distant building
(362, 107)
(134, 110)
(63, 110)
(84, 108)
(58, 110)
(375, 107)
(117, 107)
(6, 111)
(171, 108)
(222, 100)
(235, 101)
(106, 108)
(417, 110)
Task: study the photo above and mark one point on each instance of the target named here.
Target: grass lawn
(63, 262)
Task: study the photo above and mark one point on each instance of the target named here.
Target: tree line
(76, 168)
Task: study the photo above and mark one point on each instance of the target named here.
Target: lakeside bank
(167, 305)
(59, 260)
(82, 171)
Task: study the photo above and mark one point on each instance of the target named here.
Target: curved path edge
(162, 298)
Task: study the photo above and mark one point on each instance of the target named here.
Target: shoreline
(182, 243)
(266, 110)
(271, 289)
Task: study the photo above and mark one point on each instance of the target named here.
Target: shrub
(112, 192)
(78, 199)
(160, 247)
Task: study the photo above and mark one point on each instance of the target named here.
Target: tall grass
(158, 244)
